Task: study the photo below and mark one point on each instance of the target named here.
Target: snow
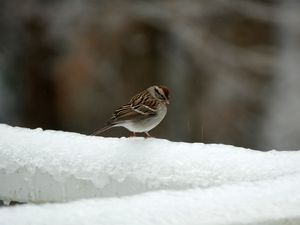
(262, 202)
(142, 181)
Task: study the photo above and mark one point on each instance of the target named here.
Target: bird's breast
(148, 123)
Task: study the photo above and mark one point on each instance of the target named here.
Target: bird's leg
(147, 135)
(133, 134)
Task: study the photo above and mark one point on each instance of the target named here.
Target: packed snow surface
(144, 181)
(264, 202)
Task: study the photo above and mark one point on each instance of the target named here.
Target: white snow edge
(187, 183)
(275, 202)
(54, 166)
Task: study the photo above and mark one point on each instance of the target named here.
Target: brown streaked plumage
(142, 113)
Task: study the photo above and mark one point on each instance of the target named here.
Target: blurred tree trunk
(37, 66)
(282, 125)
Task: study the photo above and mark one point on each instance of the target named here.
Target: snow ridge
(162, 182)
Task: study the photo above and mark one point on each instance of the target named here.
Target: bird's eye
(157, 92)
(159, 95)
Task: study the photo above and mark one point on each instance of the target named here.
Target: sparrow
(142, 113)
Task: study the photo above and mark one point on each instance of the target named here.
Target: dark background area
(232, 66)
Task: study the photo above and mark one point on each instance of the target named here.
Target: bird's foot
(148, 135)
(133, 134)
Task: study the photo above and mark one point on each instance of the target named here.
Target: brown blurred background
(233, 67)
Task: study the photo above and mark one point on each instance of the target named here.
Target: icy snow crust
(52, 166)
(275, 202)
(187, 183)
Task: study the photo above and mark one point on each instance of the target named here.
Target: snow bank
(275, 202)
(52, 166)
(144, 181)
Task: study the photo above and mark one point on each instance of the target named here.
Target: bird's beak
(167, 102)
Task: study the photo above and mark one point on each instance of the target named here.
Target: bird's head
(160, 92)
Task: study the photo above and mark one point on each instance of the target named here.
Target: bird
(142, 113)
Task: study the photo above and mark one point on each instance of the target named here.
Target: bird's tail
(105, 128)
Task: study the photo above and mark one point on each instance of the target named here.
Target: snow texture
(264, 202)
(186, 183)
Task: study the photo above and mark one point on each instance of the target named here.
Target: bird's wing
(140, 106)
(131, 112)
(144, 103)
(144, 109)
(123, 113)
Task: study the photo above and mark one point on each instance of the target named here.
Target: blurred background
(233, 67)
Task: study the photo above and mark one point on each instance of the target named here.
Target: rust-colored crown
(165, 90)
